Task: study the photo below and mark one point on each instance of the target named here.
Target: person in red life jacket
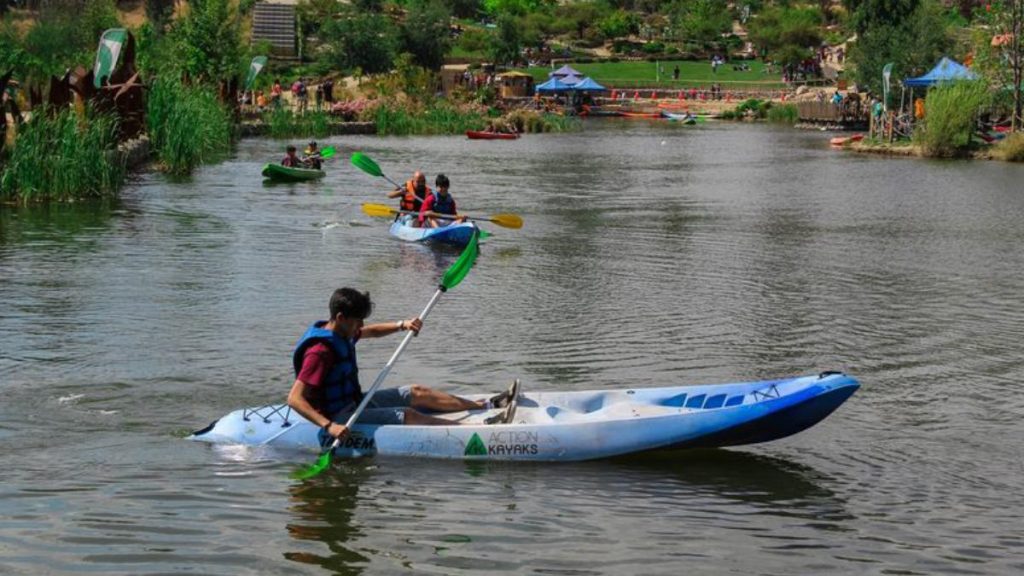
(290, 159)
(326, 390)
(439, 208)
(412, 195)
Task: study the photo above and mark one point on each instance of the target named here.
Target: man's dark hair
(350, 303)
(442, 180)
(290, 148)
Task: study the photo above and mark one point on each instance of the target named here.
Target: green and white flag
(257, 64)
(106, 55)
(886, 74)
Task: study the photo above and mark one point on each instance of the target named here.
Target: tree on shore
(425, 33)
(209, 41)
(999, 51)
(909, 33)
(362, 40)
(789, 34)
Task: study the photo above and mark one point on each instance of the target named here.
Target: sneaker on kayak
(506, 415)
(505, 398)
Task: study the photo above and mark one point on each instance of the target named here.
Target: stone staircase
(274, 22)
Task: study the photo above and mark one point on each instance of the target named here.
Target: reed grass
(782, 113)
(187, 125)
(283, 123)
(949, 120)
(398, 121)
(63, 157)
(533, 121)
(1010, 148)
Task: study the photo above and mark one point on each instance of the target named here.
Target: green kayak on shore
(286, 174)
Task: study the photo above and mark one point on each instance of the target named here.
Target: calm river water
(652, 254)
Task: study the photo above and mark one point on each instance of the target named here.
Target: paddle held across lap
(503, 220)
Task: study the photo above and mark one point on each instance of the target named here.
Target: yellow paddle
(503, 220)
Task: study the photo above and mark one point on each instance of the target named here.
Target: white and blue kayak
(566, 426)
(684, 118)
(456, 233)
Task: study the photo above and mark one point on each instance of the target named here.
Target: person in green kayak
(326, 390)
(439, 208)
(290, 159)
(312, 159)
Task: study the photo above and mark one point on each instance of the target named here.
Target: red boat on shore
(476, 135)
(630, 114)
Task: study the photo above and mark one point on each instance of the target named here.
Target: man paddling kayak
(413, 194)
(326, 388)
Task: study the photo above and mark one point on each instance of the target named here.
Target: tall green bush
(187, 125)
(64, 158)
(951, 109)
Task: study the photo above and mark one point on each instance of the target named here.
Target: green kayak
(286, 174)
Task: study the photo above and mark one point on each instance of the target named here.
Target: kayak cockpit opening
(207, 429)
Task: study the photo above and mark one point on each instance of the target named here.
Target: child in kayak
(439, 208)
(312, 159)
(326, 390)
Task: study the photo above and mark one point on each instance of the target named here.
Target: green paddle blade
(322, 463)
(462, 266)
(366, 164)
(327, 152)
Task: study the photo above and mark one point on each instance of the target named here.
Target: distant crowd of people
(323, 96)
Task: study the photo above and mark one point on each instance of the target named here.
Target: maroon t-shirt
(316, 364)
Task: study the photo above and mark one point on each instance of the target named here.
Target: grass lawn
(643, 74)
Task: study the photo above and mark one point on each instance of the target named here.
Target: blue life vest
(342, 385)
(444, 205)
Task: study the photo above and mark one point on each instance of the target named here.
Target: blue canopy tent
(554, 85)
(564, 71)
(571, 79)
(588, 85)
(945, 70)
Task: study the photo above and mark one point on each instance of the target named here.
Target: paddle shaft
(387, 368)
(439, 217)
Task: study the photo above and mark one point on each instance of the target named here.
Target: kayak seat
(701, 401)
(676, 401)
(715, 401)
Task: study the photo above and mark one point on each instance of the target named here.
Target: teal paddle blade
(322, 463)
(366, 164)
(457, 271)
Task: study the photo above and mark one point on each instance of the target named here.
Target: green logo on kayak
(475, 447)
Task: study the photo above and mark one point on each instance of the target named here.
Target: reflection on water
(650, 255)
(322, 511)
